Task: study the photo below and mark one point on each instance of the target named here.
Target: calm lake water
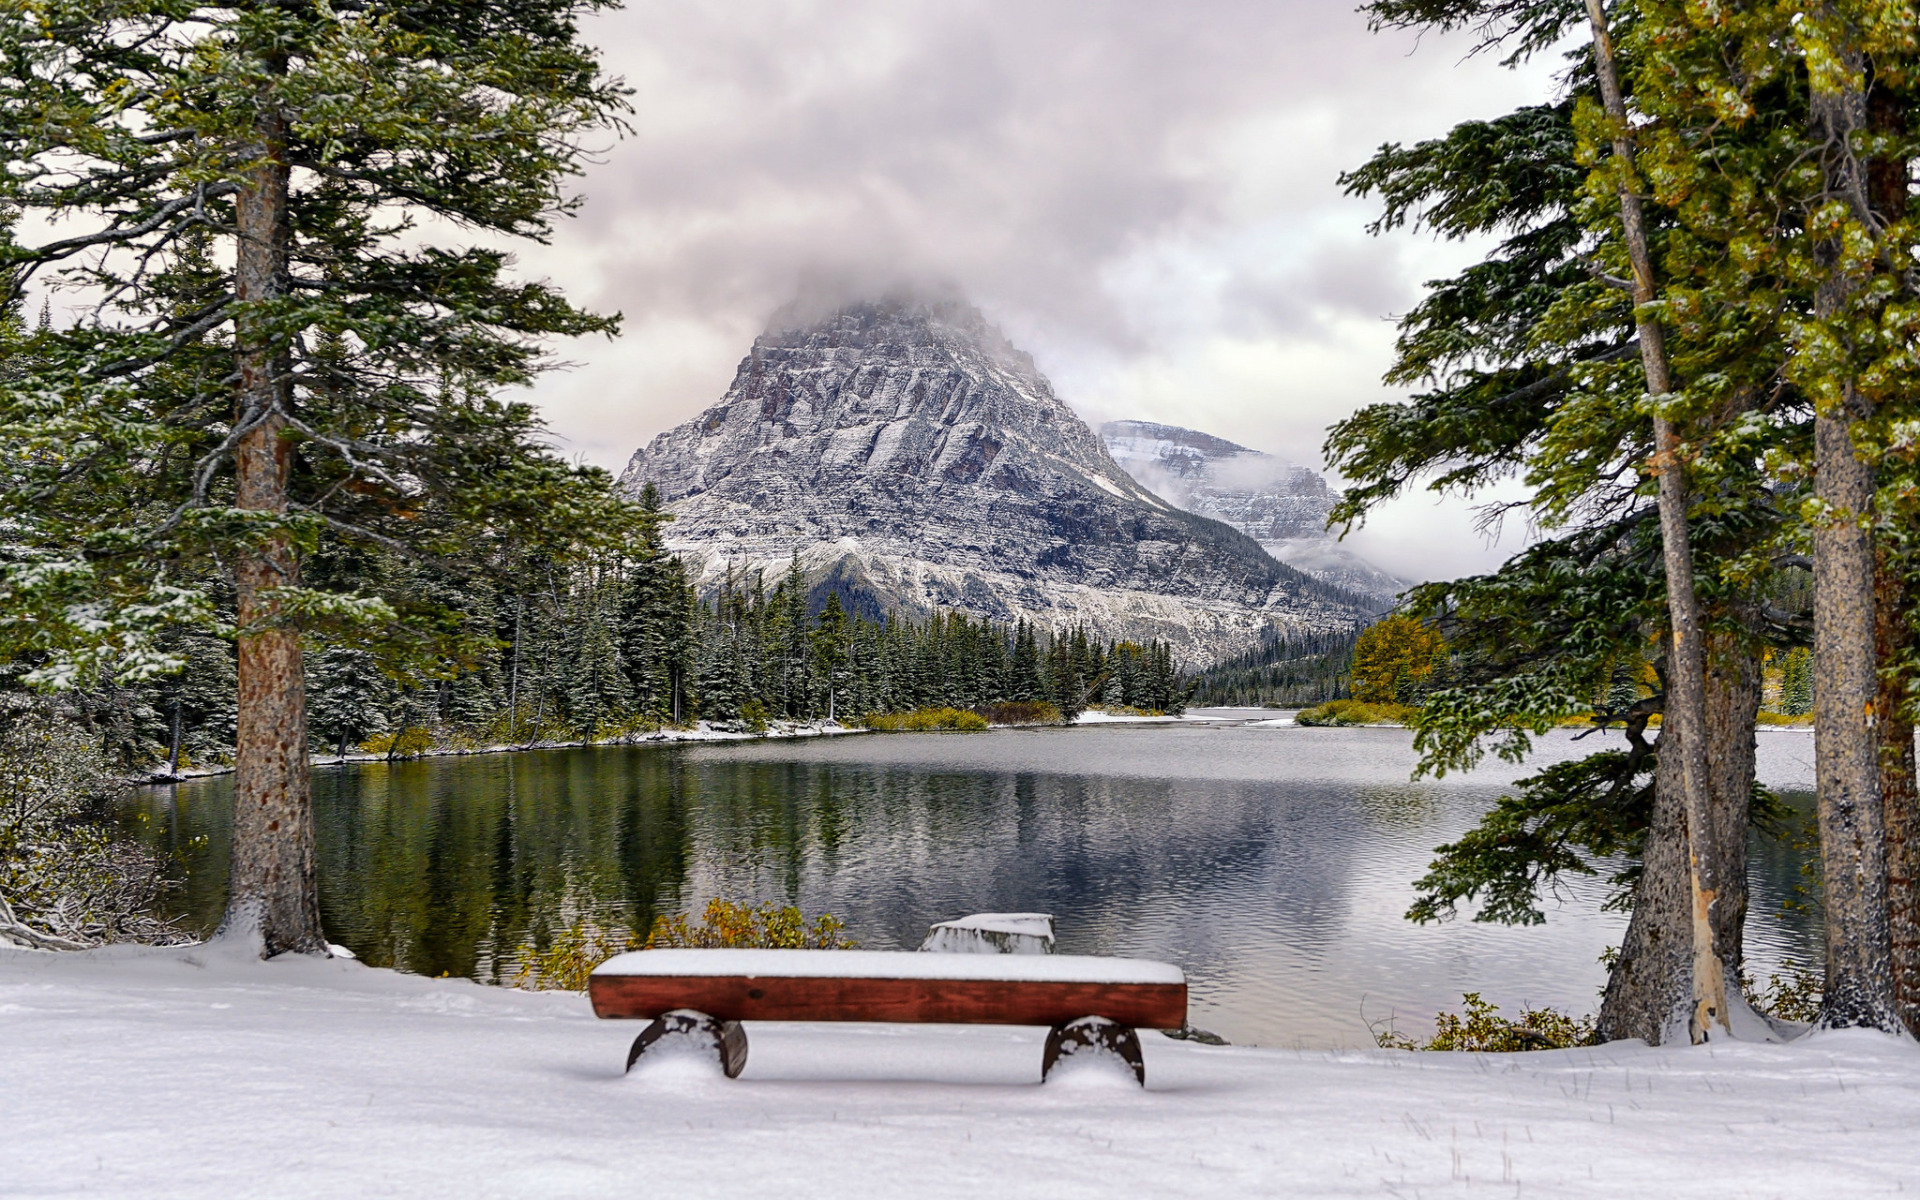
(1273, 863)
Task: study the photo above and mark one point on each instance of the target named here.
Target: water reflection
(1273, 864)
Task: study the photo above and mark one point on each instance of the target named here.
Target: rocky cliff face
(915, 460)
(1281, 505)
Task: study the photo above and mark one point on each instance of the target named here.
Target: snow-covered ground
(1100, 716)
(199, 1073)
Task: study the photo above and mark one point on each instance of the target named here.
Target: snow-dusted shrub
(1020, 712)
(1482, 1028)
(566, 961)
(65, 881)
(923, 720)
(728, 925)
(1353, 712)
(1794, 996)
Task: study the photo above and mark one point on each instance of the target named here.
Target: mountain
(914, 459)
(1281, 505)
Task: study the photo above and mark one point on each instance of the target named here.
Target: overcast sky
(1142, 193)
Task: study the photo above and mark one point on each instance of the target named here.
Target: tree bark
(173, 741)
(1899, 801)
(1649, 993)
(1686, 672)
(273, 893)
(1859, 982)
(1894, 600)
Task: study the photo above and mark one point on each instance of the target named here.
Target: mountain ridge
(914, 459)
(1281, 505)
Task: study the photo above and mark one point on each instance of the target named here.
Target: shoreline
(703, 733)
(700, 733)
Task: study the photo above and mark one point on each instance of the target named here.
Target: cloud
(1141, 193)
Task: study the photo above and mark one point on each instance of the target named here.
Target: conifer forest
(622, 644)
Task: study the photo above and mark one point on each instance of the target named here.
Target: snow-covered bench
(1093, 1005)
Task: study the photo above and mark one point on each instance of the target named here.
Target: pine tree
(830, 652)
(597, 686)
(345, 696)
(313, 143)
(1534, 357)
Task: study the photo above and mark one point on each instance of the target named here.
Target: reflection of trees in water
(1400, 809)
(449, 864)
(1774, 869)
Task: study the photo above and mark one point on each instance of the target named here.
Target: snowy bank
(702, 731)
(142, 1073)
(1099, 716)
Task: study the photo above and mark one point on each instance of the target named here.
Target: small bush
(754, 715)
(574, 952)
(1020, 712)
(922, 720)
(570, 957)
(1353, 712)
(1796, 996)
(729, 925)
(66, 880)
(405, 744)
(1483, 1029)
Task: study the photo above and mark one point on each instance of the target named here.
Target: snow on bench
(1091, 1003)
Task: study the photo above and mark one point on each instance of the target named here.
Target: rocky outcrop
(1281, 505)
(914, 459)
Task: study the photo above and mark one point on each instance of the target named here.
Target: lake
(1272, 862)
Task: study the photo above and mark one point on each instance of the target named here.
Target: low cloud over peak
(1142, 194)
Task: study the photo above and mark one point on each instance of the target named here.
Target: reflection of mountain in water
(892, 850)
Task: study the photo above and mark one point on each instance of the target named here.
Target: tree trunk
(1735, 692)
(1894, 600)
(272, 893)
(513, 682)
(1686, 662)
(1650, 987)
(1899, 803)
(1859, 982)
(1649, 993)
(173, 741)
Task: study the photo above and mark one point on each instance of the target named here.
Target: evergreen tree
(312, 143)
(597, 685)
(344, 698)
(1532, 363)
(830, 652)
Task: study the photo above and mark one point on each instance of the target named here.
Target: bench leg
(725, 1040)
(1094, 1036)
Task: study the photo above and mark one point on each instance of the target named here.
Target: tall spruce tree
(1854, 359)
(1778, 144)
(1531, 358)
(335, 374)
(1686, 707)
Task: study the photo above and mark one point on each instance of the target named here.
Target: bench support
(1093, 1036)
(697, 1032)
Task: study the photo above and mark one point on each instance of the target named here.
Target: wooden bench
(1090, 1004)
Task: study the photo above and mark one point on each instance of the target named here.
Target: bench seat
(1093, 1005)
(877, 985)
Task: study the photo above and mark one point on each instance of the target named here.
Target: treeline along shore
(619, 645)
